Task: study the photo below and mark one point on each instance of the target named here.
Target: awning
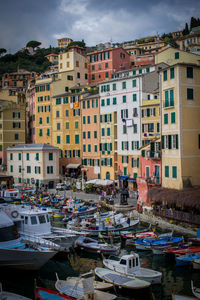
(123, 177)
(132, 180)
(103, 182)
(72, 166)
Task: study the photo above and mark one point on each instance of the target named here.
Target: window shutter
(170, 141)
(110, 146)
(122, 146)
(163, 142)
(137, 162)
(111, 162)
(121, 114)
(176, 141)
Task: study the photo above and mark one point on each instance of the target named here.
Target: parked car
(62, 186)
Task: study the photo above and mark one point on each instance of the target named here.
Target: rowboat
(147, 244)
(195, 290)
(130, 265)
(46, 294)
(183, 250)
(196, 264)
(121, 281)
(93, 246)
(82, 288)
(181, 297)
(186, 260)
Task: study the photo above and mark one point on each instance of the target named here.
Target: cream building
(34, 163)
(180, 119)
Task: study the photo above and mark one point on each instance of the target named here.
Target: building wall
(15, 165)
(170, 57)
(90, 107)
(64, 42)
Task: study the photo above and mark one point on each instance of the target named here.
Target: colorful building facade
(64, 42)
(103, 63)
(180, 85)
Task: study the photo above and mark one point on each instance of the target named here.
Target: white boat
(35, 223)
(10, 195)
(181, 297)
(82, 288)
(121, 281)
(130, 265)
(195, 290)
(196, 264)
(15, 252)
(10, 296)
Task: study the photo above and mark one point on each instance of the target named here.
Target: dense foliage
(24, 60)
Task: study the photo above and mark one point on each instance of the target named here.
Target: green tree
(33, 44)
(2, 51)
(186, 29)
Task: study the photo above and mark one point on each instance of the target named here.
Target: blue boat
(146, 244)
(186, 260)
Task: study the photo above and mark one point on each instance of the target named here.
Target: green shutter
(174, 172)
(173, 117)
(167, 171)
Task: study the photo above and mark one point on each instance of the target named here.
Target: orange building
(64, 42)
(18, 80)
(90, 136)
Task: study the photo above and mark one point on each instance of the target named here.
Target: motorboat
(148, 235)
(94, 246)
(10, 195)
(130, 265)
(10, 296)
(16, 252)
(82, 288)
(121, 281)
(35, 223)
(195, 290)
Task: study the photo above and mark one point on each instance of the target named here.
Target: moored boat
(119, 280)
(182, 297)
(10, 296)
(130, 265)
(46, 294)
(196, 264)
(93, 246)
(82, 288)
(147, 244)
(195, 290)
(186, 260)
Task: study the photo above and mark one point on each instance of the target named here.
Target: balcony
(154, 180)
(153, 155)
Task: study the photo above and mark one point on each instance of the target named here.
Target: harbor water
(174, 279)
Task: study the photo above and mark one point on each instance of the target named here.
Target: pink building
(30, 113)
(103, 63)
(150, 168)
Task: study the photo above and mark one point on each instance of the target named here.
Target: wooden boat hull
(45, 294)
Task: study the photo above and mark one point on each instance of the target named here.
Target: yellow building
(43, 108)
(52, 58)
(173, 56)
(12, 125)
(108, 145)
(180, 86)
(150, 113)
(73, 60)
(64, 42)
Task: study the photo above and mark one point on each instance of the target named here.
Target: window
(19, 156)
(165, 75)
(50, 170)
(47, 120)
(40, 132)
(58, 101)
(125, 171)
(114, 100)
(95, 148)
(16, 136)
(147, 70)
(88, 134)
(124, 85)
(50, 156)
(114, 86)
(134, 83)
(124, 99)
(95, 118)
(88, 119)
(37, 156)
(108, 101)
(140, 71)
(165, 118)
(171, 73)
(11, 169)
(89, 148)
(76, 125)
(171, 97)
(106, 75)
(124, 129)
(58, 139)
(173, 117)
(84, 134)
(20, 169)
(84, 148)
(103, 131)
(102, 102)
(95, 134)
(166, 171)
(76, 138)
(27, 156)
(57, 114)
(189, 72)
(190, 94)
(67, 139)
(28, 169)
(58, 126)
(67, 125)
(108, 131)
(11, 156)
(174, 172)
(176, 55)
(134, 97)
(166, 98)
(83, 119)
(88, 103)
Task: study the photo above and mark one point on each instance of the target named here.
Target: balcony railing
(154, 155)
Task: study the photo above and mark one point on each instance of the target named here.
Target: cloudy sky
(94, 21)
